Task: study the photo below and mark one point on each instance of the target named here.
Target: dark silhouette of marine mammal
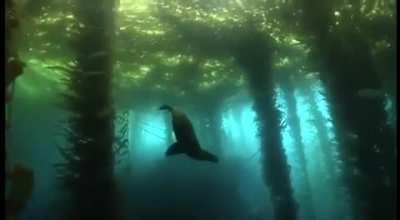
(187, 142)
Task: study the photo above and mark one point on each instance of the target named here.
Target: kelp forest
(200, 109)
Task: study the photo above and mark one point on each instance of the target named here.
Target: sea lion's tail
(175, 148)
(204, 155)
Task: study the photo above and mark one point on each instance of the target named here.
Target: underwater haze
(203, 110)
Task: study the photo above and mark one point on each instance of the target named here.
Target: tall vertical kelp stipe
(345, 52)
(328, 172)
(292, 120)
(315, 97)
(88, 171)
(290, 64)
(121, 149)
(254, 55)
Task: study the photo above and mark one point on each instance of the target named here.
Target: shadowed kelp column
(88, 171)
(253, 54)
(288, 88)
(345, 53)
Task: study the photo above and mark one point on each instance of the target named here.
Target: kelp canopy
(149, 52)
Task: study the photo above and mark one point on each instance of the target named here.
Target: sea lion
(187, 142)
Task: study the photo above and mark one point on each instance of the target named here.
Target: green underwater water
(299, 111)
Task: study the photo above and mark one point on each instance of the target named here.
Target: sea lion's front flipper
(204, 155)
(175, 148)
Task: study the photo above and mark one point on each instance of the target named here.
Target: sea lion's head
(165, 107)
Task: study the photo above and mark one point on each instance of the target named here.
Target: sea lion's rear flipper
(204, 155)
(175, 148)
